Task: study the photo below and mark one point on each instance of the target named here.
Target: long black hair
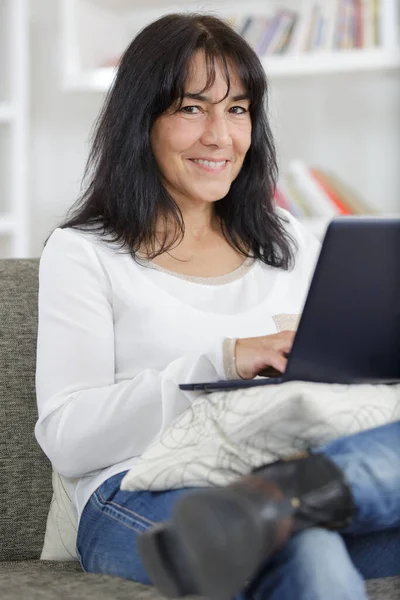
(125, 198)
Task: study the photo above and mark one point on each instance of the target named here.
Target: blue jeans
(317, 563)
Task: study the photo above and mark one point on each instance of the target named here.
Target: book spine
(298, 196)
(321, 204)
(352, 23)
(358, 24)
(312, 26)
(388, 23)
(331, 15)
(286, 195)
(375, 19)
(268, 34)
(299, 38)
(342, 208)
(339, 25)
(348, 195)
(256, 31)
(367, 23)
(287, 38)
(278, 39)
(319, 31)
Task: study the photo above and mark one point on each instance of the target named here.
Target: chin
(213, 195)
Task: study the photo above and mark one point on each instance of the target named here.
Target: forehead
(199, 75)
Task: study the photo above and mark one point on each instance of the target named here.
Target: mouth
(215, 166)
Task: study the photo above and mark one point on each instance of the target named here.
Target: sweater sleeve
(88, 421)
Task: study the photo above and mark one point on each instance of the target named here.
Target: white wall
(348, 122)
(60, 127)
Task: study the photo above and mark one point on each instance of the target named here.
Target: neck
(199, 221)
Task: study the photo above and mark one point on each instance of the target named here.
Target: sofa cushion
(42, 580)
(25, 473)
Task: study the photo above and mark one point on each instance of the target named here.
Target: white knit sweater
(116, 338)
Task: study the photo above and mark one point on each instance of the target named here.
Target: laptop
(349, 331)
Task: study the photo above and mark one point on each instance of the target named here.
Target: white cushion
(62, 526)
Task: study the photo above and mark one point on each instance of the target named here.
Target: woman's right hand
(254, 355)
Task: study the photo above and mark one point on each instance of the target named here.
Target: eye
(238, 110)
(190, 110)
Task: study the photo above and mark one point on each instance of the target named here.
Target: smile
(210, 165)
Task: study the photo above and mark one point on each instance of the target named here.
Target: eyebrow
(202, 98)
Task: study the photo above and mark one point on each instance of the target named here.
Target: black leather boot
(218, 538)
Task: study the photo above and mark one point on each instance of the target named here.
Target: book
(279, 36)
(269, 32)
(286, 196)
(280, 199)
(287, 35)
(349, 197)
(330, 15)
(319, 202)
(367, 20)
(255, 31)
(342, 208)
(358, 24)
(298, 196)
(299, 38)
(388, 23)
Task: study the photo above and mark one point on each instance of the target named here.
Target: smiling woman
(174, 266)
(171, 99)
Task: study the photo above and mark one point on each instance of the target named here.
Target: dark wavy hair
(125, 198)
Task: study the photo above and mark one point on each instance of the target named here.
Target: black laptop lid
(350, 326)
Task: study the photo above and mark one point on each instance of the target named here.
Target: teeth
(210, 164)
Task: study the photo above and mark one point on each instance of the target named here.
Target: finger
(277, 361)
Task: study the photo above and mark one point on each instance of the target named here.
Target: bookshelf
(86, 47)
(13, 128)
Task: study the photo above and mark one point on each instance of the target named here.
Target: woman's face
(201, 148)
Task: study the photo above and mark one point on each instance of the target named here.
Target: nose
(216, 132)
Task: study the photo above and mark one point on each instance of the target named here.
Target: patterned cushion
(25, 473)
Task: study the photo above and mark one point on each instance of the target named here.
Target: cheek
(243, 136)
(243, 142)
(177, 137)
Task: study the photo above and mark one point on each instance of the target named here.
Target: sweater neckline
(234, 275)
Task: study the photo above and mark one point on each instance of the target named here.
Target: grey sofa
(25, 473)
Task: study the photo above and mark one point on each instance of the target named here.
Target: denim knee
(313, 565)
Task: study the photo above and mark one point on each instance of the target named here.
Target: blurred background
(334, 73)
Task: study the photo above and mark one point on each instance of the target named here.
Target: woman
(174, 267)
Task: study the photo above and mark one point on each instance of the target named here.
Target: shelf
(129, 5)
(7, 225)
(350, 61)
(6, 112)
(346, 61)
